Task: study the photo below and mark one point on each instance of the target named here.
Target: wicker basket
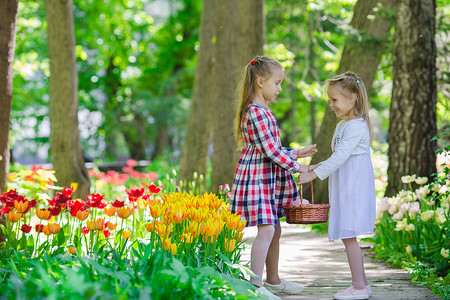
(307, 213)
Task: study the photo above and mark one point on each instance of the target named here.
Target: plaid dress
(263, 183)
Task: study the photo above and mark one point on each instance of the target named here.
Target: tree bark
(199, 130)
(225, 74)
(65, 148)
(8, 15)
(413, 106)
(362, 54)
(240, 36)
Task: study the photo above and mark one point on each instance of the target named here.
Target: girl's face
(340, 103)
(271, 87)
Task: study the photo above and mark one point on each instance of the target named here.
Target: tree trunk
(412, 121)
(239, 38)
(8, 13)
(361, 56)
(199, 130)
(65, 148)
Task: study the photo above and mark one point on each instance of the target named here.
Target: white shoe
(369, 289)
(263, 291)
(352, 293)
(285, 287)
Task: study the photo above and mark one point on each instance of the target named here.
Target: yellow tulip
(187, 238)
(42, 214)
(142, 203)
(239, 237)
(173, 249)
(166, 243)
(230, 245)
(155, 210)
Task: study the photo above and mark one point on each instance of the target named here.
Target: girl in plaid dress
(263, 183)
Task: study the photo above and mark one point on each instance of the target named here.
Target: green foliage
(74, 277)
(413, 228)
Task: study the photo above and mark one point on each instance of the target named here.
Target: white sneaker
(263, 291)
(285, 287)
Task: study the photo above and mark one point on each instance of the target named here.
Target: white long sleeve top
(350, 138)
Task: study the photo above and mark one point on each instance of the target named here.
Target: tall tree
(362, 54)
(65, 148)
(224, 157)
(199, 130)
(413, 106)
(240, 36)
(8, 15)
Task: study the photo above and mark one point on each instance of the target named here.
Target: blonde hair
(260, 66)
(350, 83)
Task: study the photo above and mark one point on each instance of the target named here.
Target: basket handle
(301, 193)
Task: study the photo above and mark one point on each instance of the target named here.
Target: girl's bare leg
(260, 248)
(355, 260)
(273, 257)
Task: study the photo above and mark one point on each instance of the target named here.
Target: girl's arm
(263, 138)
(351, 136)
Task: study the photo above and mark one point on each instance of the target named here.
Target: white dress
(351, 184)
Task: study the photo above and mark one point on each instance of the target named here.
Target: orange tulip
(42, 214)
(46, 231)
(241, 226)
(20, 206)
(54, 228)
(72, 250)
(13, 216)
(150, 226)
(124, 212)
(83, 215)
(95, 224)
(110, 211)
(112, 226)
(126, 234)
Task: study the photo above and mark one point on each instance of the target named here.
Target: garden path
(309, 258)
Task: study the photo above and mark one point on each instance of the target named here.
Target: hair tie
(252, 62)
(357, 80)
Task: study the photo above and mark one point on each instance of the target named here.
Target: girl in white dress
(351, 180)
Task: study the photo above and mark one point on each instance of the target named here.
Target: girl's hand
(306, 177)
(307, 151)
(313, 167)
(304, 169)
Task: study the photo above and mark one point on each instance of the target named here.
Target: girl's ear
(353, 98)
(260, 81)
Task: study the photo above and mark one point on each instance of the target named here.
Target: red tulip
(26, 228)
(39, 227)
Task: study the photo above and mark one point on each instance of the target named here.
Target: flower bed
(193, 241)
